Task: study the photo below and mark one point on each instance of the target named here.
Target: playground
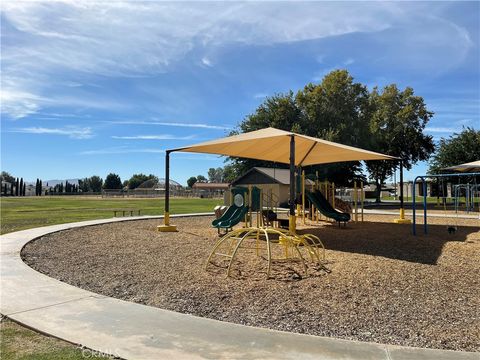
(395, 288)
(323, 266)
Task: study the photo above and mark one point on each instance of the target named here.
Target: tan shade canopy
(272, 144)
(467, 167)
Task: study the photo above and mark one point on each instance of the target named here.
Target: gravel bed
(382, 284)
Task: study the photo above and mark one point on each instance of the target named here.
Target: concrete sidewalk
(134, 331)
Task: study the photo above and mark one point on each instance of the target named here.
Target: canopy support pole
(167, 227)
(401, 219)
(292, 218)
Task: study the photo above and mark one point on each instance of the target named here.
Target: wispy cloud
(121, 150)
(70, 131)
(137, 39)
(444, 130)
(173, 124)
(207, 62)
(17, 103)
(154, 137)
(260, 95)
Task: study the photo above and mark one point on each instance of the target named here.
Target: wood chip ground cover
(382, 284)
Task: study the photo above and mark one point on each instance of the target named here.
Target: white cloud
(72, 132)
(18, 104)
(441, 129)
(129, 39)
(154, 137)
(260, 95)
(207, 62)
(173, 124)
(122, 150)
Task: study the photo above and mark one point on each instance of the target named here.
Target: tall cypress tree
(40, 187)
(24, 191)
(16, 187)
(5, 190)
(20, 189)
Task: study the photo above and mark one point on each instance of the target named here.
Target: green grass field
(17, 342)
(27, 212)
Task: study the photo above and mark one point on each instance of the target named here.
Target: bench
(126, 211)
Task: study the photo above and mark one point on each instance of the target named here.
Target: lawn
(27, 212)
(17, 342)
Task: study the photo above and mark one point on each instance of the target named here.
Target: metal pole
(414, 219)
(167, 189)
(303, 196)
(402, 211)
(166, 227)
(424, 185)
(292, 184)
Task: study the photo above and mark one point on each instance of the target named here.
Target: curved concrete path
(135, 331)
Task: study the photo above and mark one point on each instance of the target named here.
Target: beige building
(269, 179)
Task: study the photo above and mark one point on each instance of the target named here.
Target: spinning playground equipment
(261, 237)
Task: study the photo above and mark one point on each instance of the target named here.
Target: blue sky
(97, 87)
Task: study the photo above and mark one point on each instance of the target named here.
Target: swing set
(451, 228)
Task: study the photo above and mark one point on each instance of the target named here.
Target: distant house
(269, 179)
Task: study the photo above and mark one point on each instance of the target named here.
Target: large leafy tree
(455, 150)
(201, 178)
(191, 181)
(137, 179)
(229, 173)
(337, 109)
(397, 123)
(112, 181)
(5, 176)
(95, 183)
(215, 175)
(279, 111)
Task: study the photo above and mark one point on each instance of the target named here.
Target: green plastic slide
(231, 217)
(322, 204)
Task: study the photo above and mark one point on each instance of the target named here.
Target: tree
(191, 181)
(40, 187)
(95, 183)
(215, 175)
(17, 187)
(5, 176)
(5, 190)
(229, 173)
(397, 124)
(83, 185)
(112, 181)
(137, 179)
(201, 179)
(337, 109)
(457, 149)
(24, 190)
